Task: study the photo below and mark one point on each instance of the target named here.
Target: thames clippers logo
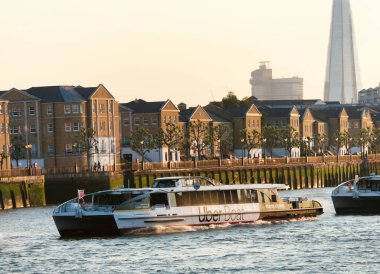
(220, 215)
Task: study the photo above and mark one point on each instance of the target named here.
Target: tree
(375, 139)
(3, 156)
(230, 101)
(17, 149)
(200, 137)
(364, 138)
(270, 138)
(347, 141)
(289, 139)
(171, 136)
(222, 134)
(338, 140)
(251, 139)
(86, 142)
(143, 141)
(320, 142)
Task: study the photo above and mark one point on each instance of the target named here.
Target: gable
(343, 113)
(294, 112)
(200, 114)
(307, 116)
(17, 95)
(169, 106)
(102, 93)
(253, 111)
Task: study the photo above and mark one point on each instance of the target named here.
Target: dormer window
(67, 109)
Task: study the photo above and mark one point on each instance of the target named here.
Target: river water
(30, 243)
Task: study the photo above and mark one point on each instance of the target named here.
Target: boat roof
(202, 188)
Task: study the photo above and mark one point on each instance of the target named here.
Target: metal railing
(247, 161)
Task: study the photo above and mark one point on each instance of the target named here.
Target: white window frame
(67, 127)
(145, 121)
(49, 110)
(69, 148)
(50, 149)
(50, 128)
(136, 121)
(67, 109)
(76, 126)
(101, 108)
(126, 122)
(33, 129)
(75, 109)
(154, 121)
(32, 110)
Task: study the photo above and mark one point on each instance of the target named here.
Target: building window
(249, 123)
(15, 129)
(67, 109)
(2, 128)
(67, 127)
(137, 121)
(126, 122)
(69, 148)
(50, 127)
(111, 125)
(356, 124)
(101, 108)
(76, 126)
(170, 119)
(15, 112)
(175, 119)
(110, 107)
(50, 149)
(145, 121)
(49, 110)
(32, 110)
(165, 119)
(33, 129)
(154, 121)
(102, 125)
(75, 108)
(94, 107)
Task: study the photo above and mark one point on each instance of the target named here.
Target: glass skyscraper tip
(342, 68)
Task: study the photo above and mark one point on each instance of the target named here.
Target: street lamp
(28, 148)
(286, 146)
(142, 151)
(220, 150)
(264, 141)
(242, 146)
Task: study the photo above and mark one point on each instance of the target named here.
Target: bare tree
(199, 137)
(86, 142)
(251, 139)
(171, 136)
(222, 134)
(17, 148)
(143, 141)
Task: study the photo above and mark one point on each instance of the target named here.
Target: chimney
(182, 106)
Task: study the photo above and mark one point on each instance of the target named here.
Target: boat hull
(361, 205)
(106, 225)
(99, 225)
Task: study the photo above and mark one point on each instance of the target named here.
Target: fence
(20, 172)
(248, 161)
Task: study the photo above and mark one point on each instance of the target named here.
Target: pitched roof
(185, 114)
(85, 92)
(238, 112)
(56, 94)
(275, 112)
(326, 113)
(141, 106)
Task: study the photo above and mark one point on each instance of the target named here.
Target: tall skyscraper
(342, 67)
(265, 87)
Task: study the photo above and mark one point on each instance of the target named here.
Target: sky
(191, 51)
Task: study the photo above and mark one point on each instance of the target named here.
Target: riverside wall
(296, 176)
(62, 187)
(22, 191)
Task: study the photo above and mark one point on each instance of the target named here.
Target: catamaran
(177, 201)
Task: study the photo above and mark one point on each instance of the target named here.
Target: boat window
(107, 199)
(164, 183)
(137, 202)
(159, 199)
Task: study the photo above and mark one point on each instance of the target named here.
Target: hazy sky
(190, 51)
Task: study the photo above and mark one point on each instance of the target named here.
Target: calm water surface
(30, 243)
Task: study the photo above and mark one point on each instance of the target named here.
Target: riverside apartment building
(50, 117)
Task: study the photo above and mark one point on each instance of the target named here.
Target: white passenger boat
(177, 201)
(358, 196)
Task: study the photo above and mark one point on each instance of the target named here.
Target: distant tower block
(342, 67)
